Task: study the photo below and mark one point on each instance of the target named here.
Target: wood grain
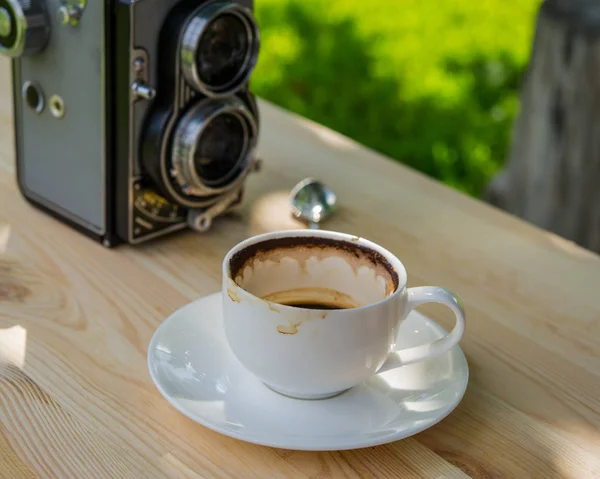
(76, 399)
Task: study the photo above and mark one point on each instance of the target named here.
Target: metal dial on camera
(24, 27)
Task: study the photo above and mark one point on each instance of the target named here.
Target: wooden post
(552, 177)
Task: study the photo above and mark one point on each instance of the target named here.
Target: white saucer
(191, 364)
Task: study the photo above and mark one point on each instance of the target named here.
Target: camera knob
(24, 27)
(70, 15)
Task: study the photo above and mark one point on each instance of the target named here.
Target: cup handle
(416, 297)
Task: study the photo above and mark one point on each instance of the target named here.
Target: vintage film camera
(133, 118)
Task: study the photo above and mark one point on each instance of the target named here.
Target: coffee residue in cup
(313, 298)
(303, 247)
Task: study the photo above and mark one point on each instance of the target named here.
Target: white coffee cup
(312, 353)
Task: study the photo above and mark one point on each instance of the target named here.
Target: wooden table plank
(76, 398)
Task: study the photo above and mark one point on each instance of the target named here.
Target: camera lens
(212, 145)
(222, 51)
(219, 48)
(220, 148)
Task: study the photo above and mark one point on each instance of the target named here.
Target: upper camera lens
(222, 51)
(219, 48)
(220, 148)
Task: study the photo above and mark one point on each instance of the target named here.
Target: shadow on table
(485, 437)
(474, 438)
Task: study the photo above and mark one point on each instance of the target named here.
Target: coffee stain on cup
(272, 307)
(301, 249)
(290, 329)
(233, 296)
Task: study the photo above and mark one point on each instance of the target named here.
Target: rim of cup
(392, 259)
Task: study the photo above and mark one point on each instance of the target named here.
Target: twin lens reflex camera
(133, 118)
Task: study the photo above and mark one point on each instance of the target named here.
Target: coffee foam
(285, 264)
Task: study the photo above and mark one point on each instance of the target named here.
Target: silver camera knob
(24, 27)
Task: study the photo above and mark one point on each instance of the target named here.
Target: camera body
(133, 118)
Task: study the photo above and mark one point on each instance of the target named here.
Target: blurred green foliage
(433, 84)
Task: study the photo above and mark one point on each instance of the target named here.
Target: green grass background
(431, 83)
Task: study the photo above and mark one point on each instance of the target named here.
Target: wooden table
(76, 399)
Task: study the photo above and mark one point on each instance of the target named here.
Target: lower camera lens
(219, 48)
(222, 51)
(212, 145)
(220, 148)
